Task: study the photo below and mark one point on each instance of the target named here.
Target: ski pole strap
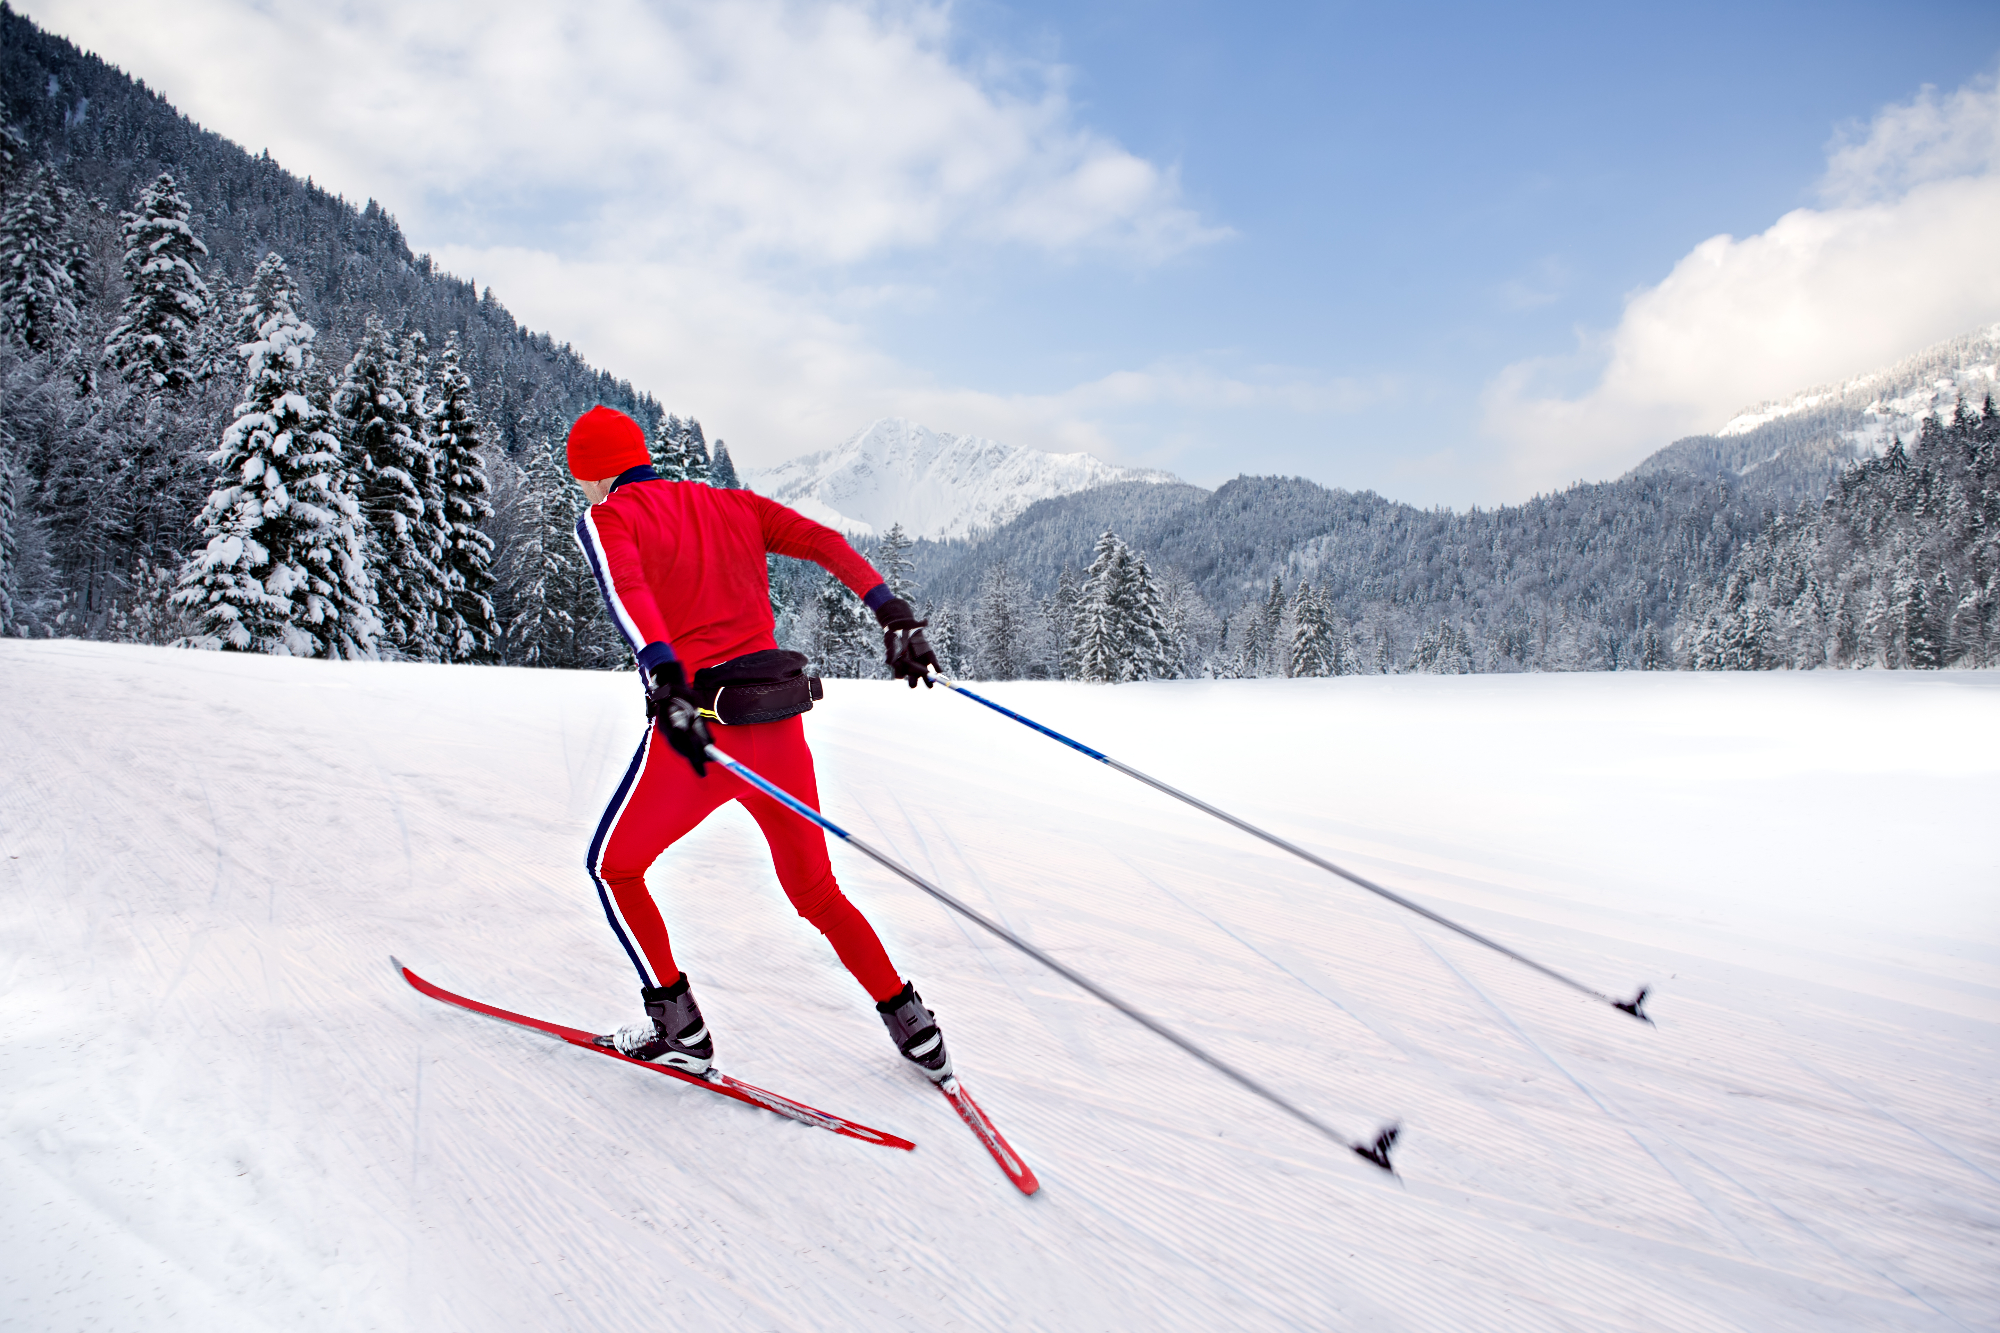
(1376, 1153)
(1632, 1006)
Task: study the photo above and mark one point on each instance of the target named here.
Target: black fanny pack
(765, 686)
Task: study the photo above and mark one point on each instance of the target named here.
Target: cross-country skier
(681, 566)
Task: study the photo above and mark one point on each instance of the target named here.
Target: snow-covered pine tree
(668, 460)
(285, 568)
(1000, 626)
(1923, 643)
(10, 543)
(268, 283)
(1121, 632)
(694, 448)
(1653, 651)
(156, 344)
(1271, 630)
(42, 267)
(848, 643)
(1445, 649)
(944, 637)
(1099, 647)
(542, 625)
(1151, 652)
(469, 631)
(13, 157)
(1059, 614)
(380, 428)
(414, 364)
(213, 353)
(892, 553)
(1315, 649)
(679, 451)
(722, 472)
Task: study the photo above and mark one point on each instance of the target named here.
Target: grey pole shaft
(1367, 884)
(1376, 1154)
(1082, 982)
(1633, 1006)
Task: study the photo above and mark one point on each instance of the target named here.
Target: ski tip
(397, 963)
(1377, 1153)
(1636, 1006)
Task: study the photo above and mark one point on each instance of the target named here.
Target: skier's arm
(788, 532)
(614, 562)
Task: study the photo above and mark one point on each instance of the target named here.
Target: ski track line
(1455, 1111)
(1854, 1263)
(1847, 1088)
(558, 1202)
(1277, 1231)
(1050, 1020)
(1277, 1228)
(1700, 1196)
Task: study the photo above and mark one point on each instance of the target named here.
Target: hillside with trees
(189, 333)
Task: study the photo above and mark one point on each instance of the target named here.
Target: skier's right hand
(672, 707)
(908, 653)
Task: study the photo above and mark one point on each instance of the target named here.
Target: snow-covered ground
(223, 1110)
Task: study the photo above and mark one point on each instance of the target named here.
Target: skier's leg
(778, 751)
(656, 803)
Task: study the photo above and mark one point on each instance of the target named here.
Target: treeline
(1589, 578)
(1660, 570)
(141, 376)
(1899, 567)
(346, 516)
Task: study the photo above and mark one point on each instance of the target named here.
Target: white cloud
(777, 376)
(1903, 255)
(690, 130)
(676, 187)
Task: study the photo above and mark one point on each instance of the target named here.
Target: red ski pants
(660, 800)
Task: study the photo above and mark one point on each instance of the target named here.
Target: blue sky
(1455, 253)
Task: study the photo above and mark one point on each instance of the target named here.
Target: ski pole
(1632, 1006)
(1376, 1153)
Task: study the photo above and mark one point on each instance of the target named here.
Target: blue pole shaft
(1631, 1006)
(1377, 1154)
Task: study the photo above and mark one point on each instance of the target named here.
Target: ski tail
(734, 1088)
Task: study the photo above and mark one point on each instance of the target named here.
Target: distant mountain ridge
(937, 485)
(1789, 448)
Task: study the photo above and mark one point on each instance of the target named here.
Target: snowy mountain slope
(1791, 446)
(225, 1111)
(936, 485)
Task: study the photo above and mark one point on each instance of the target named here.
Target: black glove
(903, 643)
(671, 705)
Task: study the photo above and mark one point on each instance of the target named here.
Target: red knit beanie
(603, 443)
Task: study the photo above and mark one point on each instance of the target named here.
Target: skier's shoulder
(655, 500)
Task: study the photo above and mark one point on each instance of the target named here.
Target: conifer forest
(237, 412)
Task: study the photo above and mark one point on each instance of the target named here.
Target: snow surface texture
(225, 1111)
(936, 485)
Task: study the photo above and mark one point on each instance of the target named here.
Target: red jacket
(681, 566)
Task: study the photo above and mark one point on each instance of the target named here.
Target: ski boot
(914, 1029)
(672, 1033)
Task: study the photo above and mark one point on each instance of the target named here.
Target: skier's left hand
(672, 706)
(909, 654)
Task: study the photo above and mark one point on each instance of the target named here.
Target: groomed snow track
(224, 1112)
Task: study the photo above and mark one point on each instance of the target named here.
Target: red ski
(722, 1083)
(1003, 1152)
